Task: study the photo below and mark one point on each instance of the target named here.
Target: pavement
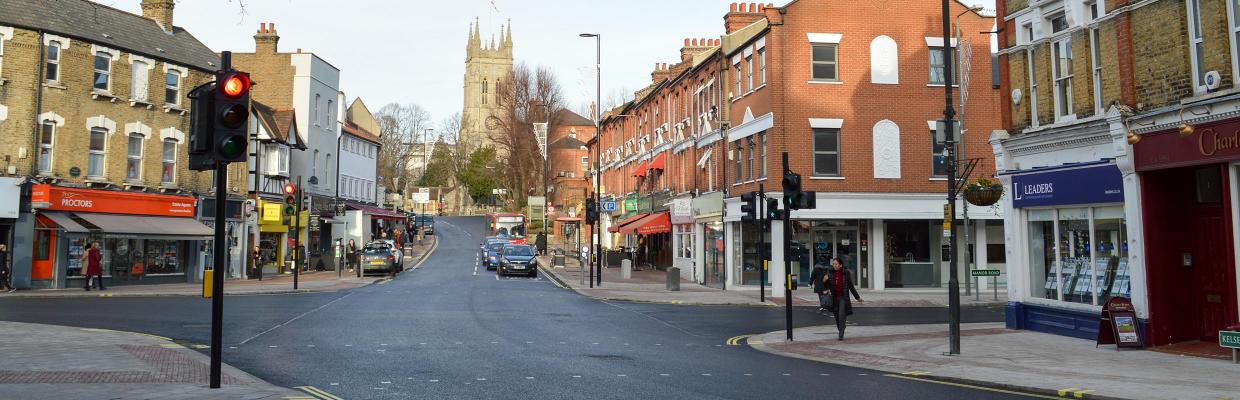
(650, 286)
(1002, 359)
(48, 361)
(309, 281)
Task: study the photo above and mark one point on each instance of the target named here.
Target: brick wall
(1160, 54)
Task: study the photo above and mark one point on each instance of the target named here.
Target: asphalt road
(452, 331)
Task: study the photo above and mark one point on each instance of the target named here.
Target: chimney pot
(271, 27)
(761, 7)
(732, 8)
(753, 7)
(686, 42)
(262, 27)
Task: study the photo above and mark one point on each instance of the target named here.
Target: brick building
(93, 121)
(1119, 145)
(853, 105)
(569, 161)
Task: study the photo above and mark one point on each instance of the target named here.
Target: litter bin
(673, 279)
(557, 260)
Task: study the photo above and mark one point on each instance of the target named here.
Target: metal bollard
(673, 279)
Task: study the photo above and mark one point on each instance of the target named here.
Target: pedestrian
(352, 254)
(840, 283)
(258, 260)
(540, 242)
(819, 279)
(93, 261)
(5, 283)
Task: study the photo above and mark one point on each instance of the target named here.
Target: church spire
(508, 36)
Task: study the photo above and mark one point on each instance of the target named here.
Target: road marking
(201, 346)
(318, 393)
(705, 374)
(480, 379)
(295, 318)
(433, 381)
(621, 375)
(272, 346)
(171, 346)
(1075, 392)
(529, 377)
(309, 345)
(916, 373)
(967, 386)
(787, 374)
(576, 376)
(736, 340)
(386, 382)
(748, 374)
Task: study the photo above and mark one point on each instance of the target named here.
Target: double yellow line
(736, 340)
(319, 394)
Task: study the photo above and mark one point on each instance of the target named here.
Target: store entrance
(1192, 276)
(839, 243)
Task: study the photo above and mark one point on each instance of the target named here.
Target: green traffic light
(232, 147)
(289, 210)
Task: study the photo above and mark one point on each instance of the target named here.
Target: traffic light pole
(764, 223)
(297, 235)
(787, 255)
(220, 250)
(953, 282)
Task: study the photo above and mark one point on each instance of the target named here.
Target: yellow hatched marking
(318, 393)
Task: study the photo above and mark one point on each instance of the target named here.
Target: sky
(413, 51)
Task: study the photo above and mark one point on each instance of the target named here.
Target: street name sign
(984, 272)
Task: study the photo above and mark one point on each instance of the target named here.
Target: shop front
(1190, 204)
(707, 211)
(376, 222)
(144, 238)
(234, 230)
(683, 236)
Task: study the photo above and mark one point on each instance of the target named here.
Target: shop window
(1042, 254)
(42, 245)
(133, 158)
(1079, 255)
(908, 256)
(46, 139)
(1075, 258)
(103, 71)
(1111, 253)
(98, 140)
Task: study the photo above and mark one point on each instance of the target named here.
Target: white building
(358, 180)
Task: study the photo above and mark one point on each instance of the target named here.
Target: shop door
(838, 243)
(1210, 258)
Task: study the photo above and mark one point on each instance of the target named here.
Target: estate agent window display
(1079, 254)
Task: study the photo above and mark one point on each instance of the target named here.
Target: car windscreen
(518, 251)
(496, 247)
(376, 250)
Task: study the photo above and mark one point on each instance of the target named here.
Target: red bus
(509, 224)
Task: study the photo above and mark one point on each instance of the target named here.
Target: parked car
(490, 254)
(427, 222)
(396, 252)
(377, 256)
(518, 259)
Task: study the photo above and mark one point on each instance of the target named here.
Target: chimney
(159, 11)
(694, 46)
(266, 41)
(741, 15)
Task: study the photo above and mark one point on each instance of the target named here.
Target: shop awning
(139, 225)
(65, 221)
(626, 222)
(649, 225)
(377, 212)
(658, 161)
(640, 171)
(568, 219)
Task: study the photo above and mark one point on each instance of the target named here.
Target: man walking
(93, 259)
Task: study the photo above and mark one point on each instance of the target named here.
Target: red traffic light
(235, 85)
(290, 189)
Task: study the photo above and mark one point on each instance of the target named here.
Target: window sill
(817, 82)
(134, 183)
(827, 178)
(97, 179)
(96, 94)
(3, 81)
(54, 85)
(941, 85)
(170, 108)
(938, 179)
(1065, 119)
(168, 186)
(141, 103)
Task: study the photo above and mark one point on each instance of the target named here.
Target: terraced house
(93, 121)
(1121, 154)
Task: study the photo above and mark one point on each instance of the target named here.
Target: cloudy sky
(413, 51)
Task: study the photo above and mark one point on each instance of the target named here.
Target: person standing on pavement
(5, 283)
(540, 243)
(819, 278)
(93, 260)
(840, 283)
(351, 253)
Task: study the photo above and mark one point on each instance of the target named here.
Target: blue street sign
(609, 205)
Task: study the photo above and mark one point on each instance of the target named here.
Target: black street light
(953, 281)
(598, 150)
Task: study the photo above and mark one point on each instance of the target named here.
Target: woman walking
(94, 266)
(839, 282)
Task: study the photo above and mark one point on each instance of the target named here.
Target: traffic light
(794, 197)
(218, 128)
(591, 211)
(749, 206)
(772, 209)
(290, 199)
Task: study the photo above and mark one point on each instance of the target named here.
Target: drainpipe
(38, 106)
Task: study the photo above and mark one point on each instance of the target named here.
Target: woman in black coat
(839, 283)
(819, 278)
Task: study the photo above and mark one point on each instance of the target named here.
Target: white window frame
(102, 154)
(839, 161)
(1094, 54)
(49, 61)
(140, 89)
(50, 146)
(6, 34)
(112, 56)
(130, 157)
(317, 99)
(1196, 39)
(736, 67)
(1064, 109)
(1033, 88)
(749, 72)
(182, 73)
(761, 66)
(164, 161)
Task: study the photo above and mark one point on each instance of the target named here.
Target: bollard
(626, 269)
(673, 279)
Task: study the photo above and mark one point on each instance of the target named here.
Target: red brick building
(569, 160)
(851, 102)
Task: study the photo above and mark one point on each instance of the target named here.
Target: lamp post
(953, 282)
(598, 149)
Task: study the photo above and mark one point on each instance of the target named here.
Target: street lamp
(598, 148)
(953, 282)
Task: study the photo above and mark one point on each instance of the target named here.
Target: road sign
(609, 206)
(421, 198)
(1229, 339)
(984, 272)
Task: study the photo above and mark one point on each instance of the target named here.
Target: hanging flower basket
(983, 192)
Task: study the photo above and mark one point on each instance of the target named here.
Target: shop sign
(681, 211)
(10, 197)
(1118, 324)
(630, 203)
(1210, 143)
(113, 202)
(273, 213)
(1089, 185)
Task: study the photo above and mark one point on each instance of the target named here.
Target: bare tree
(529, 96)
(400, 126)
(611, 99)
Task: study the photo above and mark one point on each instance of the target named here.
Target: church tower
(487, 66)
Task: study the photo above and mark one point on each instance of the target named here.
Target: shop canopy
(640, 171)
(658, 161)
(650, 224)
(131, 225)
(377, 212)
(622, 224)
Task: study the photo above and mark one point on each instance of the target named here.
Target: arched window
(484, 91)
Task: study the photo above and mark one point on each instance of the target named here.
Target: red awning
(650, 224)
(640, 171)
(377, 212)
(630, 220)
(658, 161)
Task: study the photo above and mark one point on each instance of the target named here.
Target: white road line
(295, 318)
(529, 377)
